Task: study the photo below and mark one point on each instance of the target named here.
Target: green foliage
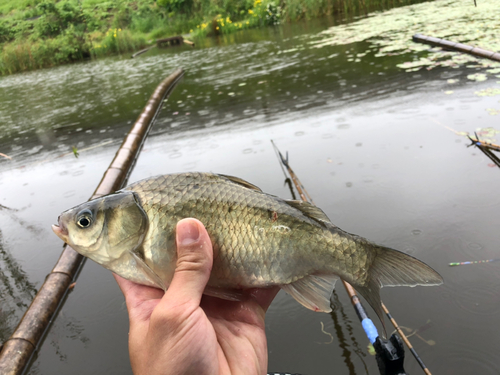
(40, 33)
(44, 53)
(116, 41)
(5, 31)
(176, 5)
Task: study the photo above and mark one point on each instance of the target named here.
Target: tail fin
(394, 268)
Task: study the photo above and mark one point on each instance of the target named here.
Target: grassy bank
(43, 33)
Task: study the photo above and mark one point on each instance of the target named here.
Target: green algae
(390, 34)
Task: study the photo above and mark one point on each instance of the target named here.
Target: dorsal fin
(241, 182)
(310, 211)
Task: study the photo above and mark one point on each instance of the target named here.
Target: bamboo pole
(458, 47)
(19, 348)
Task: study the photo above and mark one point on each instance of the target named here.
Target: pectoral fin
(313, 291)
(131, 267)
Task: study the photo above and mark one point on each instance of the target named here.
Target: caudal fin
(394, 268)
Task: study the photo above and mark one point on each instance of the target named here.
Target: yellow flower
(250, 11)
(248, 22)
(191, 30)
(217, 28)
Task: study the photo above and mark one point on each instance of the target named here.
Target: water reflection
(16, 290)
(345, 342)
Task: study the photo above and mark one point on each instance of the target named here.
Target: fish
(259, 240)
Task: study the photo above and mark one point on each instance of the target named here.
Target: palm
(218, 336)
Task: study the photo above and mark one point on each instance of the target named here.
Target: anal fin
(313, 291)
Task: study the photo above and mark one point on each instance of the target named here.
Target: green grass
(43, 33)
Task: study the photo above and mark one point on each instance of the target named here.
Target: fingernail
(188, 232)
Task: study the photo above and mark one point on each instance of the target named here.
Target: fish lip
(60, 230)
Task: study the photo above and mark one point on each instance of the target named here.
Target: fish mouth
(60, 230)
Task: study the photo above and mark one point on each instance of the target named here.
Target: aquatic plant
(390, 34)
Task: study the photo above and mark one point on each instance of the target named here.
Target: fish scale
(259, 240)
(234, 235)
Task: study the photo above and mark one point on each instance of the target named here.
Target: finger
(194, 263)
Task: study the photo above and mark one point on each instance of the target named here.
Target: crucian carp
(259, 240)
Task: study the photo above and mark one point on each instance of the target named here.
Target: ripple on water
(175, 155)
(69, 193)
(474, 246)
(479, 300)
(466, 360)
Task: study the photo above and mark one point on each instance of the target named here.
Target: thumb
(194, 263)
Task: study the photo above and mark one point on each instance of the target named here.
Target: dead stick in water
(142, 51)
(19, 348)
(458, 47)
(350, 290)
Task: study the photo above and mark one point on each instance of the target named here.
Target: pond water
(379, 149)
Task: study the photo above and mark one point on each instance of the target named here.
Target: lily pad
(391, 32)
(479, 77)
(488, 92)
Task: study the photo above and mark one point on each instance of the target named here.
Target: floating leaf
(390, 33)
(479, 77)
(487, 132)
(493, 111)
(488, 92)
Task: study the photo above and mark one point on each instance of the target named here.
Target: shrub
(5, 31)
(176, 5)
(115, 41)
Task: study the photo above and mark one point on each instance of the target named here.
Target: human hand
(182, 331)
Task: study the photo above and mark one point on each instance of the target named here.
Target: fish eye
(84, 219)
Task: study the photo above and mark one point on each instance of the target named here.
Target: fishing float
(474, 262)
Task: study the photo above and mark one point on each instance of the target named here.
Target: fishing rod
(390, 353)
